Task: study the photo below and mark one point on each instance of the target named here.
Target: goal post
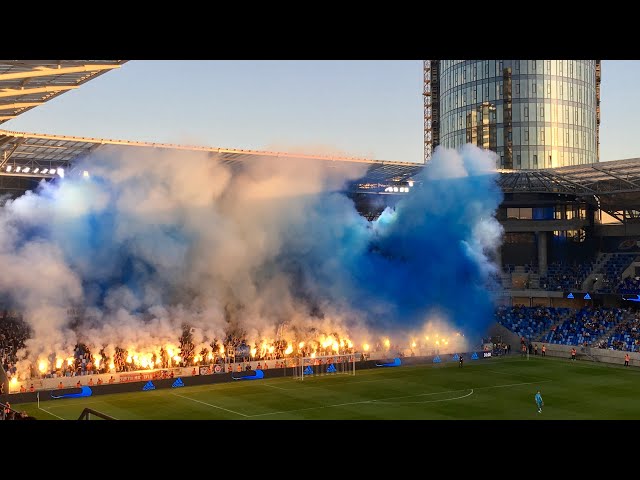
(318, 366)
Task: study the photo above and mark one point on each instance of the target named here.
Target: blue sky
(355, 108)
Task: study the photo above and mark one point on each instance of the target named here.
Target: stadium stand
(530, 322)
(629, 285)
(625, 336)
(585, 326)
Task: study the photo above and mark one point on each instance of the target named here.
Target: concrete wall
(590, 354)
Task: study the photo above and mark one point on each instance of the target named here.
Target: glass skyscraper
(533, 113)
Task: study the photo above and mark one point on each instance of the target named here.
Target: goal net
(307, 367)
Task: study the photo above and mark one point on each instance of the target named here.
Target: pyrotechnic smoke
(153, 240)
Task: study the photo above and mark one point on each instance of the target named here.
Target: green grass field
(483, 390)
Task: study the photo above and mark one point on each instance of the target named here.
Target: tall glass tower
(533, 113)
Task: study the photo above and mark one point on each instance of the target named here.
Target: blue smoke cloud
(430, 252)
(152, 240)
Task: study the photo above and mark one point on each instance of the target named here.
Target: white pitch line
(279, 388)
(428, 401)
(210, 405)
(373, 401)
(53, 414)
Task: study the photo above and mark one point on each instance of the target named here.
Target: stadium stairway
(508, 337)
(611, 331)
(543, 336)
(587, 283)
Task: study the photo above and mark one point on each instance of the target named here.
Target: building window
(526, 112)
(518, 88)
(533, 87)
(557, 214)
(548, 66)
(548, 88)
(570, 213)
(535, 161)
(542, 135)
(541, 108)
(526, 135)
(517, 66)
(533, 64)
(518, 161)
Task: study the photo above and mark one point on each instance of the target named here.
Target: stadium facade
(534, 114)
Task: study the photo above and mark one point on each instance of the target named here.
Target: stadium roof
(615, 184)
(619, 176)
(49, 152)
(25, 84)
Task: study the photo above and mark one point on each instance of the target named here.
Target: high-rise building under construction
(533, 113)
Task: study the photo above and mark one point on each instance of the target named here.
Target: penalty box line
(380, 400)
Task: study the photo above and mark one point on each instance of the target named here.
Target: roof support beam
(8, 92)
(556, 178)
(608, 172)
(7, 153)
(47, 72)
(13, 106)
(544, 181)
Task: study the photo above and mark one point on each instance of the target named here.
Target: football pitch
(495, 389)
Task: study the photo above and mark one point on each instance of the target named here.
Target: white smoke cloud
(156, 239)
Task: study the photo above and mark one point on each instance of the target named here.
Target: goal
(344, 364)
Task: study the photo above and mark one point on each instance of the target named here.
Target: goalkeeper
(539, 401)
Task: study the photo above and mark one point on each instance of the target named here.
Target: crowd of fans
(625, 336)
(585, 326)
(8, 413)
(629, 285)
(233, 348)
(530, 322)
(565, 275)
(569, 276)
(569, 326)
(13, 334)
